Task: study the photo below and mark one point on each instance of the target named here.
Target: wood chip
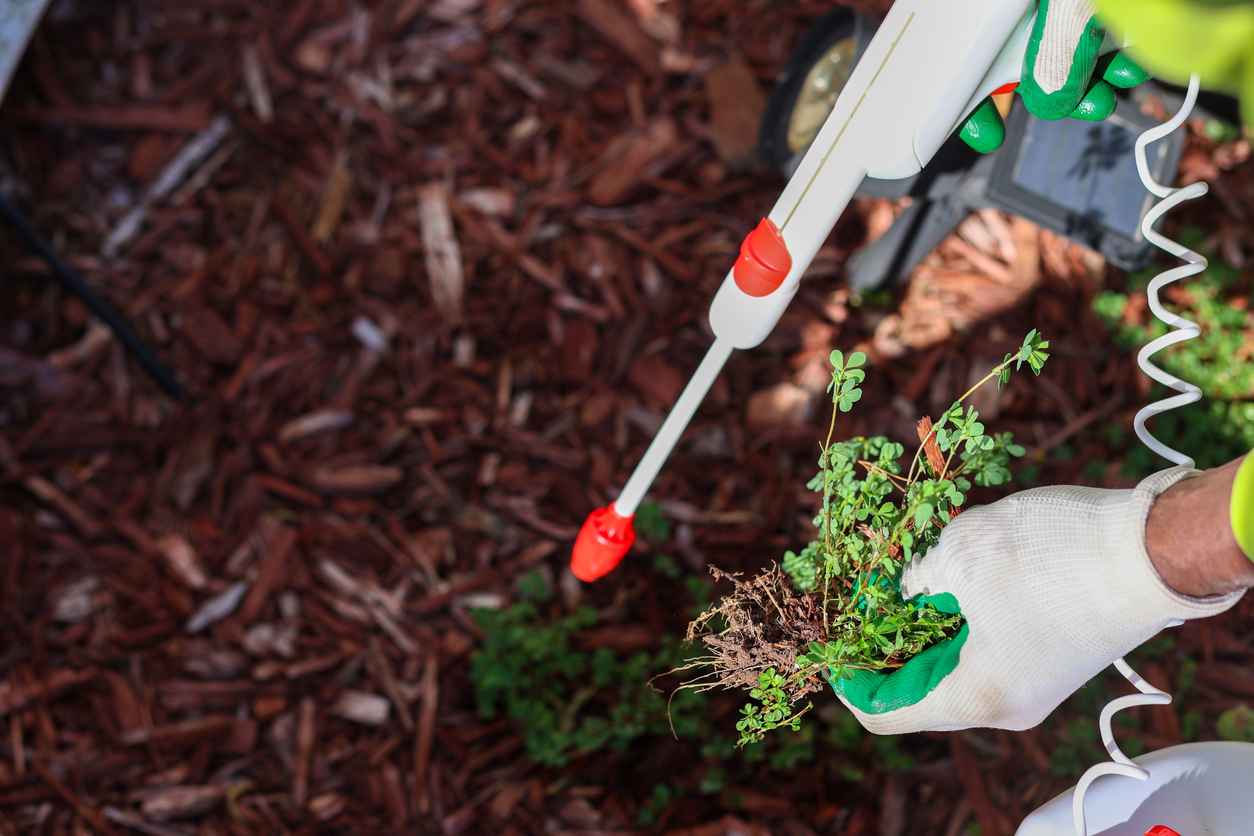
(217, 608)
(623, 31)
(893, 807)
(361, 707)
(782, 404)
(187, 119)
(736, 107)
(442, 254)
(306, 737)
(334, 197)
(277, 543)
(67, 507)
(315, 423)
(255, 80)
(657, 379)
(627, 160)
(170, 803)
(184, 163)
(496, 202)
(426, 733)
(355, 479)
(181, 557)
(15, 695)
(76, 601)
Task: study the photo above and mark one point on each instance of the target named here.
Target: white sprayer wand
(928, 66)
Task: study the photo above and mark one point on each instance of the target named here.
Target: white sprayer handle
(927, 67)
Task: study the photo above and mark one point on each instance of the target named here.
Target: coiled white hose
(1147, 694)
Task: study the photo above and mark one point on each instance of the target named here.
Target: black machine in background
(1076, 178)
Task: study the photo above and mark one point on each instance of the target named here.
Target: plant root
(762, 623)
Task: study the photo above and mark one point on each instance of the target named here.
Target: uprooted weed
(836, 607)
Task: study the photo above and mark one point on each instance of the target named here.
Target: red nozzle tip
(764, 261)
(603, 542)
(1161, 830)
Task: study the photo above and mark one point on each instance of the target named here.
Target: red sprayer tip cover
(603, 542)
(1161, 830)
(764, 261)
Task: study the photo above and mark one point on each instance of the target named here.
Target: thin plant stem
(827, 515)
(918, 453)
(897, 480)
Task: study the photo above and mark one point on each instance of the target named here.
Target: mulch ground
(431, 272)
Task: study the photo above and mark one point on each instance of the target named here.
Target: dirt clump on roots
(762, 623)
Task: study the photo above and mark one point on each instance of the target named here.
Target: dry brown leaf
(930, 446)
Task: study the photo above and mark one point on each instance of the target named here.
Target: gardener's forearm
(1190, 539)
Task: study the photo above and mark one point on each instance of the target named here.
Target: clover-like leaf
(848, 399)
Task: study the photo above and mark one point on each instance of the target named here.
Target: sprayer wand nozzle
(603, 542)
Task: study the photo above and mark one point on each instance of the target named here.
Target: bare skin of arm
(1189, 536)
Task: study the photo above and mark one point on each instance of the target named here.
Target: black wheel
(812, 81)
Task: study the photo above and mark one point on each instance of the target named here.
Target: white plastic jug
(1195, 789)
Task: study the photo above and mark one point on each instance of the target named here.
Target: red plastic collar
(764, 260)
(603, 542)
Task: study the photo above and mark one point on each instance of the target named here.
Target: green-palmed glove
(1054, 584)
(1176, 38)
(1063, 75)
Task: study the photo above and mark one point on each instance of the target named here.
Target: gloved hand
(1054, 584)
(1058, 71)
(1176, 38)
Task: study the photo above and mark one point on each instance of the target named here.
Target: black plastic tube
(72, 281)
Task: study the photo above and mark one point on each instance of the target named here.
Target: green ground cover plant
(564, 700)
(835, 606)
(530, 665)
(1220, 362)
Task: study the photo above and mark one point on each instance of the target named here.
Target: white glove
(1055, 584)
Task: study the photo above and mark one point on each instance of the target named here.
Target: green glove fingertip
(1098, 103)
(984, 131)
(1124, 73)
(1059, 103)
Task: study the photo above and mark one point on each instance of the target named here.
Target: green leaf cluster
(877, 512)
(1032, 352)
(567, 701)
(768, 710)
(847, 377)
